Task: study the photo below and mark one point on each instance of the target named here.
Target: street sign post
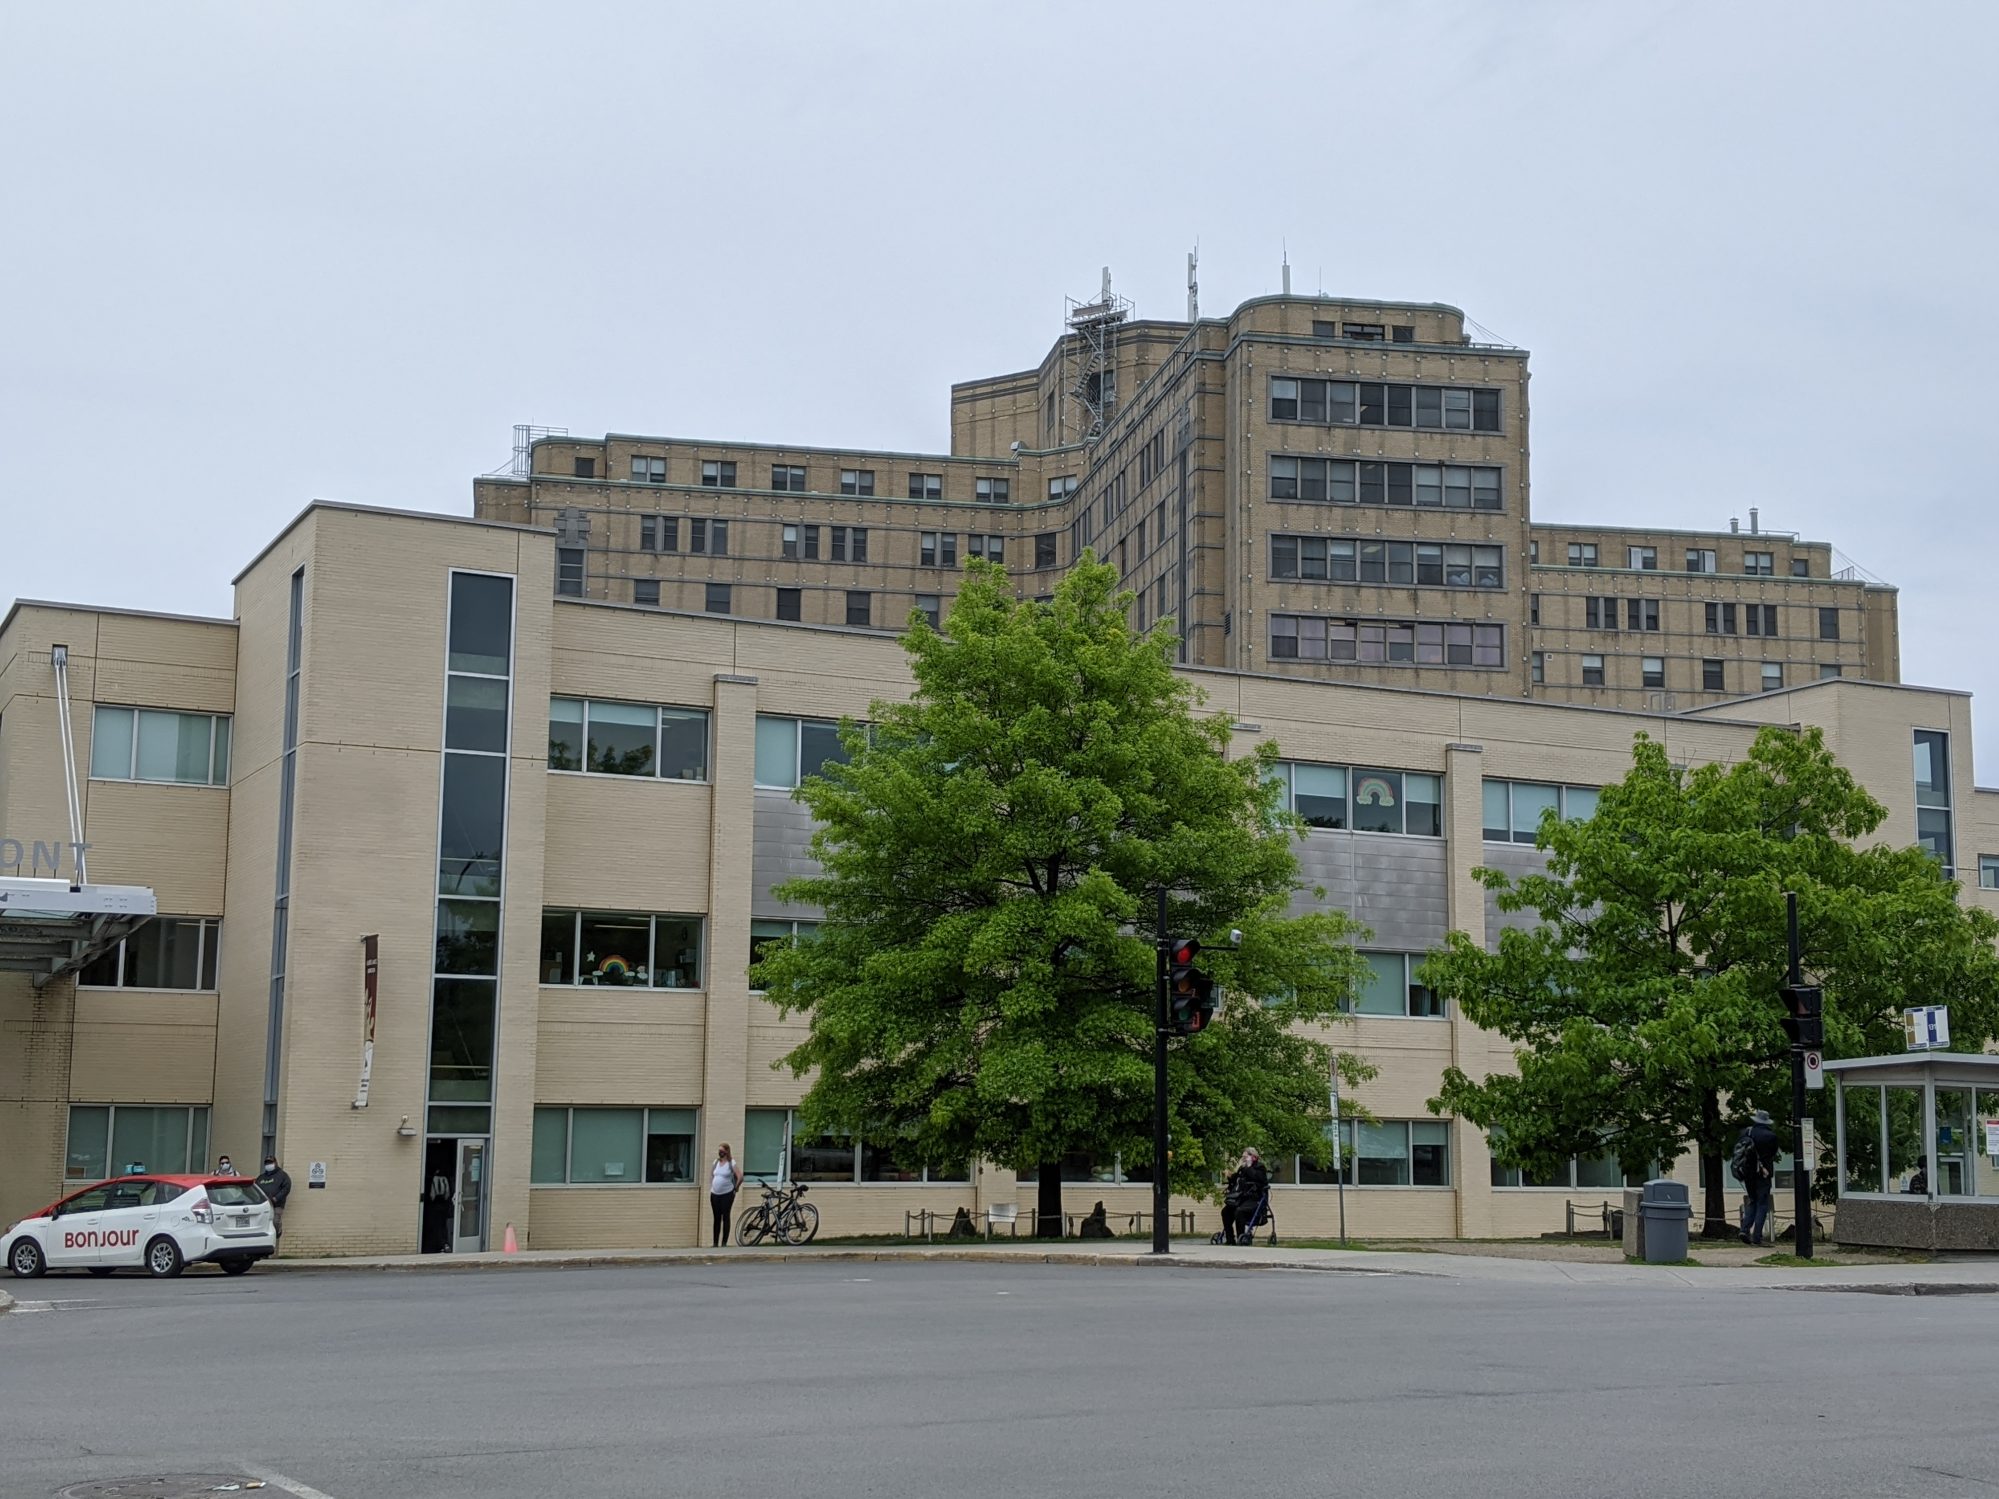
(1926, 1027)
(1814, 1070)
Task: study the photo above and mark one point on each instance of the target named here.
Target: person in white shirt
(723, 1182)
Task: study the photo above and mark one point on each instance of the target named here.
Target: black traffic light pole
(1801, 1183)
(1159, 1025)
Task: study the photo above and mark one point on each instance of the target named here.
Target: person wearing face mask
(224, 1166)
(276, 1183)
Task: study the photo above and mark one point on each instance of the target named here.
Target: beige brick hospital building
(538, 762)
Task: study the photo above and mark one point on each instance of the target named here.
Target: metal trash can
(1664, 1212)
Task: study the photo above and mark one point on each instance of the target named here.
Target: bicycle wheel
(754, 1226)
(801, 1224)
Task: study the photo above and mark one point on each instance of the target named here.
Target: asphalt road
(891, 1380)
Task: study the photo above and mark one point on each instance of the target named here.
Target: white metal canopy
(49, 928)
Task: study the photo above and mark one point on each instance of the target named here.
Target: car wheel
(25, 1259)
(163, 1257)
(236, 1267)
(101, 1269)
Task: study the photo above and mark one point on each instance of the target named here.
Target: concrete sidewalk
(1960, 1277)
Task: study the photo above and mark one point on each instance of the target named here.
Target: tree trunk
(1048, 1201)
(1714, 1209)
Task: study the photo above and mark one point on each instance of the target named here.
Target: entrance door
(468, 1221)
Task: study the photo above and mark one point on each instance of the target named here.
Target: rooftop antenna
(1287, 270)
(1193, 285)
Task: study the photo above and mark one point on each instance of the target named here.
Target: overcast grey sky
(258, 253)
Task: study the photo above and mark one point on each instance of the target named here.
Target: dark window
(1403, 333)
(1373, 483)
(1401, 483)
(648, 533)
(1372, 332)
(787, 477)
(860, 607)
(569, 572)
(586, 468)
(1762, 619)
(649, 470)
(1485, 411)
(1533, 608)
(1373, 405)
(718, 598)
(1654, 671)
(1828, 624)
(1711, 676)
(1592, 671)
(645, 591)
(1429, 406)
(1399, 413)
(789, 603)
(718, 475)
(1801, 567)
(1044, 549)
(926, 486)
(860, 481)
(931, 607)
(1324, 329)
(1283, 400)
(992, 491)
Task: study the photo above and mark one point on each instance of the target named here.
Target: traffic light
(1190, 993)
(1804, 1019)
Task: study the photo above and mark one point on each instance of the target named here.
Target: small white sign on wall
(315, 1174)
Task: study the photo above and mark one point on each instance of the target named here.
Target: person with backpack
(1754, 1164)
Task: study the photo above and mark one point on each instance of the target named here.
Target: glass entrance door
(468, 1221)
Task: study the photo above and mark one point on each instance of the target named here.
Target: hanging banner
(370, 963)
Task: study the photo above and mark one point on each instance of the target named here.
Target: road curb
(450, 1264)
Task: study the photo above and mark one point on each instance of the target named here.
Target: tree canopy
(1644, 1006)
(982, 982)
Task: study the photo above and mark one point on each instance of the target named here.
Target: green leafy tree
(982, 984)
(1644, 1007)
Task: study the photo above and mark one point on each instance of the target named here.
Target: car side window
(125, 1195)
(87, 1202)
(160, 1192)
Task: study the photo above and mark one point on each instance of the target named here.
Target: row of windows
(149, 744)
(709, 536)
(1652, 672)
(1513, 809)
(845, 543)
(1388, 1153)
(1361, 799)
(1718, 618)
(620, 950)
(132, 1139)
(1423, 563)
(168, 952)
(706, 535)
(1304, 637)
(1364, 403)
(789, 478)
(1353, 481)
(611, 1147)
(1698, 560)
(627, 739)
(1401, 333)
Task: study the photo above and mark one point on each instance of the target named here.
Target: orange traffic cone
(510, 1245)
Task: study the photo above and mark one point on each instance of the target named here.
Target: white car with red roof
(157, 1221)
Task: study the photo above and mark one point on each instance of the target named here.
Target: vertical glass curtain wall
(471, 845)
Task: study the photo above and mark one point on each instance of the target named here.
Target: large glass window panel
(111, 743)
(763, 1144)
(1423, 805)
(1530, 800)
(822, 1158)
(818, 745)
(1381, 1154)
(1933, 833)
(558, 947)
(1320, 795)
(1385, 990)
(482, 624)
(1599, 1171)
(462, 1018)
(606, 1145)
(777, 751)
(676, 952)
(1905, 1135)
(219, 772)
(622, 739)
(1984, 1161)
(89, 1142)
(1497, 819)
(669, 1145)
(1377, 801)
(1932, 768)
(175, 747)
(565, 734)
(1327, 1175)
(766, 935)
(164, 954)
(468, 936)
(475, 713)
(459, 1119)
(683, 744)
(1579, 802)
(889, 1163)
(471, 830)
(1862, 1106)
(615, 949)
(1430, 1153)
(1959, 1139)
(148, 1139)
(550, 1161)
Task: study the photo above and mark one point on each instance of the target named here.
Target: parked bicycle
(783, 1215)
